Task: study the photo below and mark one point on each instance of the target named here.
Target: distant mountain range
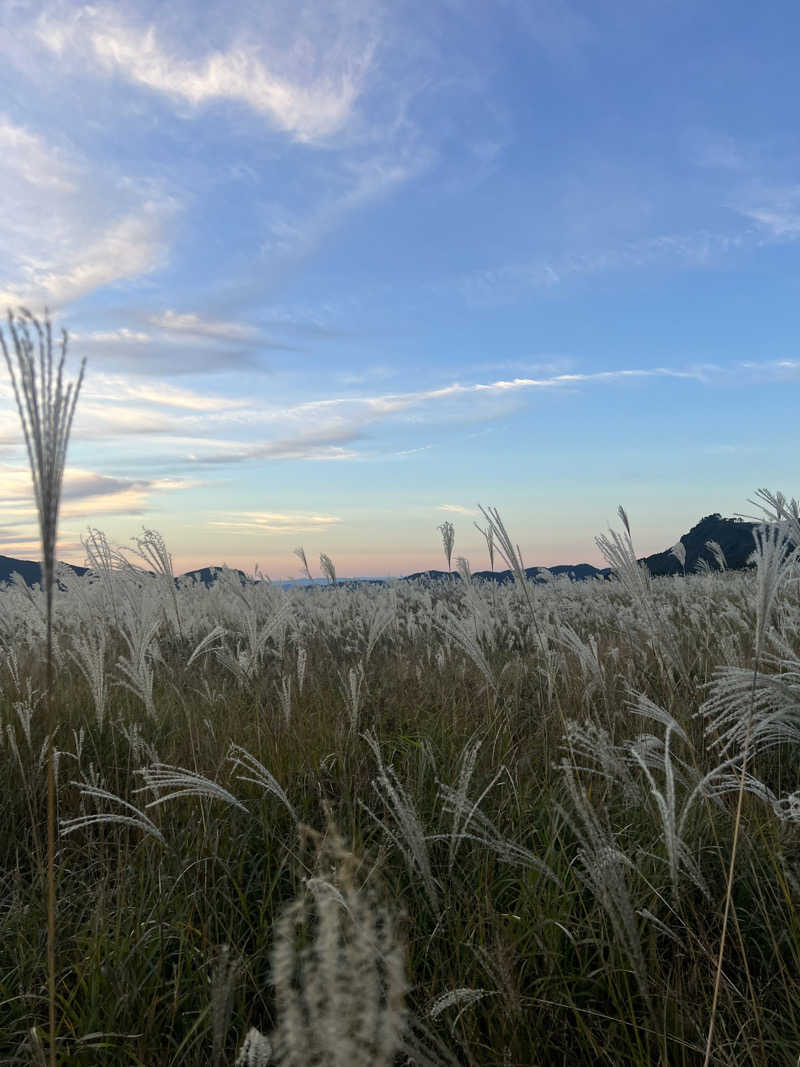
(734, 536)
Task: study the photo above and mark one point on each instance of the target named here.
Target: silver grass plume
(471, 824)
(256, 1050)
(461, 633)
(152, 548)
(182, 782)
(258, 774)
(488, 534)
(105, 562)
(448, 532)
(774, 556)
(129, 816)
(619, 553)
(780, 511)
(513, 560)
(300, 552)
(462, 998)
(380, 619)
(409, 835)
(678, 550)
(338, 968)
(89, 652)
(679, 857)
(328, 569)
(769, 702)
(463, 568)
(777, 547)
(603, 867)
(716, 551)
(46, 406)
(350, 686)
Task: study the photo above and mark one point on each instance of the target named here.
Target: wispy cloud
(358, 181)
(98, 230)
(29, 162)
(127, 249)
(307, 85)
(198, 326)
(121, 336)
(328, 443)
(86, 494)
(186, 429)
(457, 508)
(329, 428)
(776, 210)
(690, 249)
(258, 522)
(163, 394)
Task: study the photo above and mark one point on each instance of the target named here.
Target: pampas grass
(46, 406)
(543, 862)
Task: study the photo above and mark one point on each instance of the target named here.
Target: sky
(342, 271)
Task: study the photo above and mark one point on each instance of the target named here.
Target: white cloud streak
(184, 429)
(457, 508)
(308, 87)
(259, 522)
(86, 494)
(197, 326)
(68, 229)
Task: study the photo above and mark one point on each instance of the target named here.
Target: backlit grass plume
(339, 971)
(448, 532)
(46, 405)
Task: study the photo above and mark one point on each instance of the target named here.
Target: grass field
(451, 824)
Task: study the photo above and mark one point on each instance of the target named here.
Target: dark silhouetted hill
(734, 536)
(578, 572)
(209, 575)
(30, 572)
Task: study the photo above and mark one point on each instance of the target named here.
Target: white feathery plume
(678, 550)
(327, 567)
(716, 551)
(458, 632)
(409, 836)
(338, 969)
(89, 652)
(130, 816)
(258, 774)
(448, 532)
(462, 998)
(256, 1050)
(619, 553)
(205, 644)
(152, 548)
(183, 783)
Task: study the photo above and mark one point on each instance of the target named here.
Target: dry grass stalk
(46, 405)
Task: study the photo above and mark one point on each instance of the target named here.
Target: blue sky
(341, 271)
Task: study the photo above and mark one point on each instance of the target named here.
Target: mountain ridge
(734, 536)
